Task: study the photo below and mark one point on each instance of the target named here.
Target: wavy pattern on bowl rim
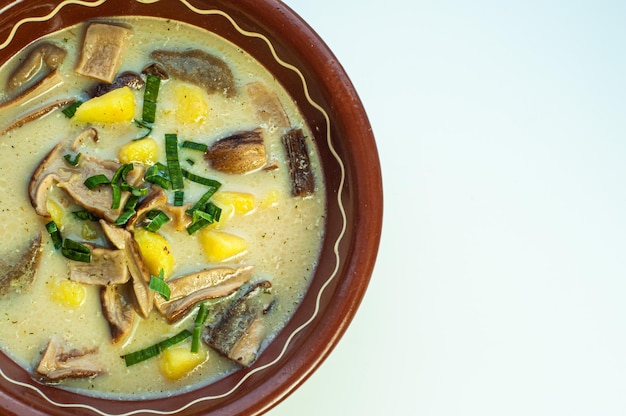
(338, 159)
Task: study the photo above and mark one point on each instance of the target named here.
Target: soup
(163, 208)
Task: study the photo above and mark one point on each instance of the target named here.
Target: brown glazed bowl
(299, 59)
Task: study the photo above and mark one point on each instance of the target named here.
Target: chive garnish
(116, 197)
(194, 146)
(129, 210)
(72, 161)
(173, 165)
(70, 110)
(158, 175)
(200, 179)
(158, 284)
(179, 198)
(209, 214)
(203, 312)
(156, 219)
(143, 125)
(204, 198)
(55, 234)
(85, 215)
(75, 251)
(150, 98)
(93, 182)
(154, 350)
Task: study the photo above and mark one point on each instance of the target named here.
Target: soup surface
(269, 229)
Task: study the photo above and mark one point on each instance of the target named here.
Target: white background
(500, 286)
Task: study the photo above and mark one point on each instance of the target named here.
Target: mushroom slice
(107, 267)
(44, 54)
(52, 169)
(188, 291)
(36, 114)
(59, 362)
(156, 199)
(240, 153)
(126, 79)
(239, 330)
(102, 51)
(197, 67)
(302, 179)
(19, 275)
(267, 105)
(117, 311)
(46, 84)
(140, 276)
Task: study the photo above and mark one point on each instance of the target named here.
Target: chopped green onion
(121, 172)
(190, 162)
(159, 285)
(154, 350)
(179, 198)
(93, 182)
(72, 161)
(143, 125)
(85, 215)
(158, 175)
(55, 234)
(70, 110)
(157, 219)
(173, 165)
(75, 251)
(150, 98)
(203, 312)
(129, 210)
(201, 180)
(202, 217)
(194, 146)
(116, 197)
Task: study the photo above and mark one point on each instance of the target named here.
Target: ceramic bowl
(299, 59)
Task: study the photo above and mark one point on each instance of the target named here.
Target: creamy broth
(283, 233)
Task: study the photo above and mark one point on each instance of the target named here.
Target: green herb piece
(143, 125)
(150, 95)
(72, 161)
(203, 312)
(121, 172)
(173, 165)
(75, 251)
(154, 350)
(156, 219)
(55, 234)
(204, 198)
(194, 146)
(129, 210)
(158, 284)
(202, 217)
(212, 183)
(116, 197)
(179, 198)
(85, 215)
(158, 175)
(93, 182)
(70, 110)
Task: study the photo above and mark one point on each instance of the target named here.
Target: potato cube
(57, 213)
(191, 104)
(68, 293)
(240, 201)
(145, 151)
(177, 362)
(114, 106)
(155, 251)
(220, 246)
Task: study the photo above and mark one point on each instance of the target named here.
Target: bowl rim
(363, 197)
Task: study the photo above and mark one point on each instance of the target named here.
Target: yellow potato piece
(241, 202)
(57, 213)
(271, 199)
(177, 362)
(220, 246)
(191, 104)
(114, 106)
(155, 251)
(68, 292)
(88, 232)
(145, 151)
